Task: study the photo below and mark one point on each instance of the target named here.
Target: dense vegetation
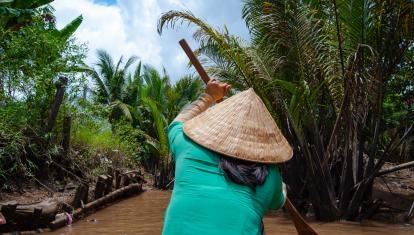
(336, 75)
(33, 55)
(147, 102)
(338, 78)
(60, 118)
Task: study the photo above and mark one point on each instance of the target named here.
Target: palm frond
(131, 60)
(106, 66)
(102, 89)
(124, 108)
(228, 46)
(159, 124)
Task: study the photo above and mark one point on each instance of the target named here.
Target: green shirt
(205, 202)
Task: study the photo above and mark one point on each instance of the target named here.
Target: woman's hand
(217, 89)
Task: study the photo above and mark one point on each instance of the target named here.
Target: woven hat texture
(240, 127)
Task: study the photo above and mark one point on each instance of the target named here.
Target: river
(143, 215)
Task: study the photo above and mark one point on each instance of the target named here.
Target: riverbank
(394, 193)
(37, 207)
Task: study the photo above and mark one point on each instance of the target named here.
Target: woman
(225, 172)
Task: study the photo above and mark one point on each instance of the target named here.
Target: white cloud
(129, 27)
(124, 29)
(177, 3)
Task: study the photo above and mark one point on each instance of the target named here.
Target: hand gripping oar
(301, 225)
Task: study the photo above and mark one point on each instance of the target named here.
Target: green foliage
(333, 77)
(101, 148)
(111, 81)
(70, 28)
(30, 61)
(15, 13)
(13, 121)
(145, 97)
(122, 123)
(33, 55)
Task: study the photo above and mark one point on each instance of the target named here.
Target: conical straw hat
(240, 127)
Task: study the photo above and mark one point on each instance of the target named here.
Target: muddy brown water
(144, 214)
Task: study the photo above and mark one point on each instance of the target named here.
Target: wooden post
(110, 171)
(108, 185)
(43, 173)
(60, 92)
(100, 186)
(127, 180)
(76, 200)
(37, 215)
(81, 195)
(9, 212)
(117, 178)
(85, 193)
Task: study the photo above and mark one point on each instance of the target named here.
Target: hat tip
(251, 92)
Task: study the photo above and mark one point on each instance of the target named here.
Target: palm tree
(184, 91)
(162, 102)
(153, 97)
(314, 63)
(146, 98)
(111, 81)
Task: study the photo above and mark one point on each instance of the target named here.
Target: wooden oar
(194, 61)
(301, 225)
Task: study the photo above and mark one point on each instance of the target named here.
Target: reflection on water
(143, 215)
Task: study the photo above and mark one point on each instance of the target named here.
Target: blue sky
(106, 1)
(109, 2)
(128, 27)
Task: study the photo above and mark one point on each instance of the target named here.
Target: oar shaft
(194, 61)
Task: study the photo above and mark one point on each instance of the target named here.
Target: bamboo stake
(302, 227)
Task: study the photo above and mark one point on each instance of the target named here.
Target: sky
(129, 27)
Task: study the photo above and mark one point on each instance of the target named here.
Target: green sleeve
(278, 199)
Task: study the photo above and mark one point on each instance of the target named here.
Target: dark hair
(243, 172)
